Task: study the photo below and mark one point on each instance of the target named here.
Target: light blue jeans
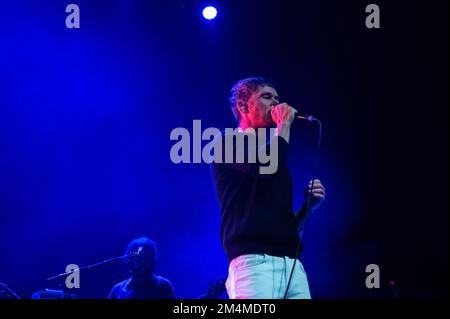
(261, 276)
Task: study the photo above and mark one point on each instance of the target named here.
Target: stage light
(209, 13)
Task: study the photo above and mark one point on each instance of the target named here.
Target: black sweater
(257, 214)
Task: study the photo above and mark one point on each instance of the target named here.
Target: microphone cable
(308, 198)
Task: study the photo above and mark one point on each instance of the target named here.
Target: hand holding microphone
(279, 112)
(283, 114)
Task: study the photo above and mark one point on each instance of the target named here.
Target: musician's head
(251, 101)
(142, 258)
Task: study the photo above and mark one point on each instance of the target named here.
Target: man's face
(260, 105)
(143, 264)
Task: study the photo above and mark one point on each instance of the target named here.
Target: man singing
(259, 229)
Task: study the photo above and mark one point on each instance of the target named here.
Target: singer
(259, 229)
(143, 283)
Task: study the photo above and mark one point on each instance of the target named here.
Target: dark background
(85, 119)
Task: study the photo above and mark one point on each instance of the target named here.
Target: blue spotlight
(209, 12)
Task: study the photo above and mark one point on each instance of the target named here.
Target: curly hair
(243, 89)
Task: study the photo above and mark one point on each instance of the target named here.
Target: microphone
(309, 118)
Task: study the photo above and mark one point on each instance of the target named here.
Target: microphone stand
(9, 292)
(90, 266)
(66, 292)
